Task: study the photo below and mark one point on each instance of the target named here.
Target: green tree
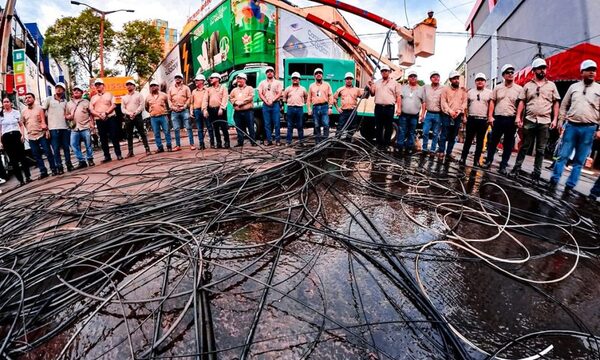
(139, 48)
(76, 41)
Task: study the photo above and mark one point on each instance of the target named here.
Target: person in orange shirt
(295, 97)
(241, 98)
(453, 103)
(319, 104)
(196, 112)
(34, 120)
(349, 96)
(156, 105)
(214, 107)
(179, 102)
(102, 107)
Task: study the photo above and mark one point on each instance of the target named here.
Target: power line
(451, 12)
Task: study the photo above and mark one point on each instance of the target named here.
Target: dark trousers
(244, 123)
(476, 129)
(3, 174)
(405, 137)
(109, 129)
(596, 188)
(16, 154)
(294, 121)
(384, 124)
(138, 124)
(41, 147)
(202, 122)
(61, 140)
(219, 124)
(533, 132)
(448, 134)
(503, 126)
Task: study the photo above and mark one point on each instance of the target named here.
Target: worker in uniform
(430, 20)
(432, 119)
(319, 104)
(215, 109)
(453, 102)
(295, 96)
(539, 99)
(102, 107)
(346, 100)
(157, 105)
(501, 116)
(78, 111)
(132, 106)
(196, 113)
(580, 111)
(478, 102)
(270, 91)
(388, 103)
(413, 102)
(179, 102)
(242, 98)
(38, 133)
(60, 134)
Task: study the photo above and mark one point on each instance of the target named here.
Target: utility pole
(5, 26)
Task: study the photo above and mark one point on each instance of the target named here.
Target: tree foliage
(76, 41)
(139, 48)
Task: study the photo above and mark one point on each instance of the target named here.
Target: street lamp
(102, 17)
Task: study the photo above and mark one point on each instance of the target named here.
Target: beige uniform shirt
(581, 104)
(215, 97)
(33, 122)
(156, 104)
(269, 89)
(179, 97)
(242, 98)
(101, 103)
(80, 110)
(453, 100)
(478, 102)
(539, 101)
(55, 111)
(198, 98)
(319, 94)
(132, 105)
(432, 98)
(386, 92)
(505, 99)
(412, 99)
(349, 96)
(295, 95)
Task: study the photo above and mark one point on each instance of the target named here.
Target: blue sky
(450, 50)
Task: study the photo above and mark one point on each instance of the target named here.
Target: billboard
(254, 28)
(185, 59)
(299, 38)
(19, 72)
(171, 66)
(211, 42)
(114, 85)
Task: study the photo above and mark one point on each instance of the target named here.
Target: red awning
(564, 66)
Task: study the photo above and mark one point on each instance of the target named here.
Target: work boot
(535, 179)
(238, 145)
(130, 154)
(226, 146)
(502, 171)
(219, 146)
(169, 149)
(119, 157)
(177, 148)
(269, 143)
(60, 170)
(487, 165)
(82, 165)
(278, 143)
(91, 162)
(515, 172)
(148, 152)
(201, 147)
(43, 175)
(462, 162)
(54, 172)
(70, 167)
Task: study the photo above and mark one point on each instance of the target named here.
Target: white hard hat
(130, 81)
(349, 75)
(480, 76)
(154, 83)
(215, 75)
(453, 74)
(384, 67)
(200, 77)
(242, 76)
(296, 74)
(61, 84)
(178, 76)
(269, 68)
(506, 67)
(434, 72)
(317, 70)
(586, 64)
(411, 72)
(538, 63)
(79, 87)
(98, 81)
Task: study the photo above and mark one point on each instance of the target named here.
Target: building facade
(517, 31)
(168, 36)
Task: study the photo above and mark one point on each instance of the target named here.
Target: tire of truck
(259, 125)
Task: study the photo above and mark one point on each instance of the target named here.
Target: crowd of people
(60, 125)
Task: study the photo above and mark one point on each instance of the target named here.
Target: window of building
(303, 69)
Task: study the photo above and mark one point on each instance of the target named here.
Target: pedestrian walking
(319, 105)
(179, 102)
(413, 104)
(388, 103)
(432, 120)
(34, 121)
(453, 102)
(215, 109)
(196, 112)
(102, 107)
(270, 91)
(12, 136)
(157, 105)
(78, 111)
(60, 133)
(242, 98)
(346, 100)
(295, 96)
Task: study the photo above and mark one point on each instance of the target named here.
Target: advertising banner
(211, 42)
(171, 66)
(33, 79)
(19, 72)
(254, 27)
(186, 60)
(114, 85)
(299, 38)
